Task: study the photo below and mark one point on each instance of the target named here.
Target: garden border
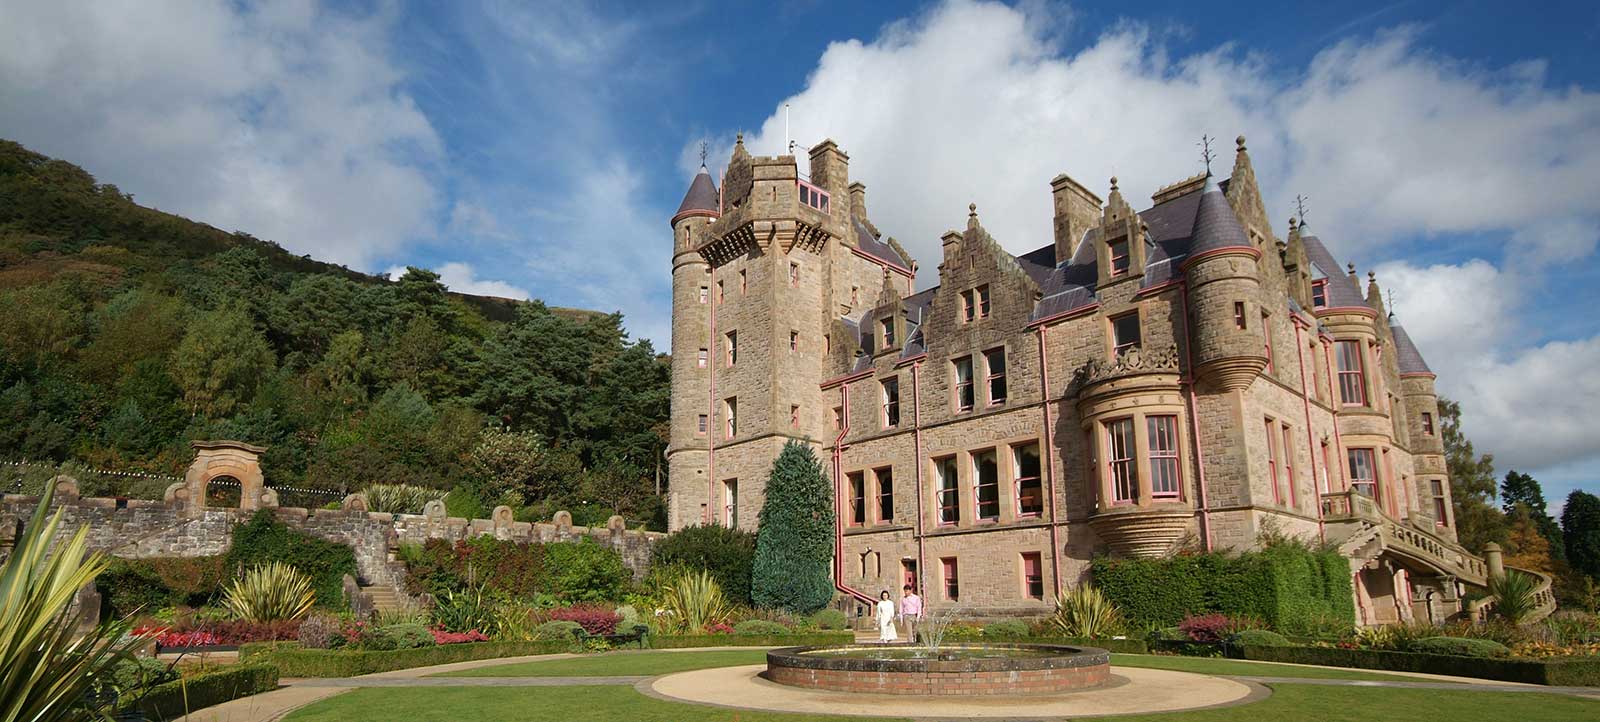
(1556, 673)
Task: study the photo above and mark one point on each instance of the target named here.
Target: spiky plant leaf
(270, 592)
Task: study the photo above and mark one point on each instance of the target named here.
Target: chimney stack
(1076, 211)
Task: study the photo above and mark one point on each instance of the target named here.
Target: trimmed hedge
(1119, 646)
(1570, 672)
(292, 662)
(684, 641)
(1286, 586)
(173, 700)
(1459, 647)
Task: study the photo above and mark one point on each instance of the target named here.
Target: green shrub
(466, 610)
(264, 539)
(584, 571)
(174, 700)
(1458, 646)
(557, 630)
(1287, 586)
(1259, 638)
(830, 619)
(403, 636)
(148, 585)
(1581, 672)
(269, 593)
(685, 641)
(1514, 595)
(399, 498)
(1006, 629)
(131, 675)
(292, 662)
(724, 552)
(1085, 611)
(462, 503)
(630, 618)
(759, 626)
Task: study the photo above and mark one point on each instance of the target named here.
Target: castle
(1173, 377)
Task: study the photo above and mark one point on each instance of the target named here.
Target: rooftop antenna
(1300, 207)
(788, 145)
(1390, 293)
(1205, 151)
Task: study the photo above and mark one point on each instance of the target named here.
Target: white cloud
(463, 278)
(284, 121)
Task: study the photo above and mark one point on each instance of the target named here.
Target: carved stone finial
(1293, 224)
(972, 210)
(738, 139)
(1113, 184)
(1372, 276)
(1240, 142)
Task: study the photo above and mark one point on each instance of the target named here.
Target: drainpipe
(838, 498)
(1311, 451)
(916, 423)
(711, 405)
(1194, 416)
(1048, 456)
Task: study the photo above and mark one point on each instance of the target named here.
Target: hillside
(128, 331)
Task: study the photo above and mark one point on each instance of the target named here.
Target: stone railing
(1131, 362)
(1350, 505)
(1441, 553)
(1544, 600)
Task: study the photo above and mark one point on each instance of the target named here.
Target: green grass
(618, 664)
(1203, 665)
(1302, 703)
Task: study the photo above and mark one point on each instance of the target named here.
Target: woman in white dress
(886, 633)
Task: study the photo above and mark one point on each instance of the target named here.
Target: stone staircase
(383, 597)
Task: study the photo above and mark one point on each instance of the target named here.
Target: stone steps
(383, 598)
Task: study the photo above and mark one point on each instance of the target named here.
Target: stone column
(1492, 557)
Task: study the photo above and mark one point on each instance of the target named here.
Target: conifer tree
(1472, 484)
(1580, 520)
(794, 542)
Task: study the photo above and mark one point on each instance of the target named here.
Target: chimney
(830, 167)
(858, 200)
(1076, 210)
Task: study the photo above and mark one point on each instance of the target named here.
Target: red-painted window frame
(948, 496)
(1028, 485)
(1319, 293)
(979, 485)
(1119, 254)
(1370, 481)
(1288, 465)
(949, 575)
(883, 481)
(857, 482)
(982, 293)
(1352, 380)
(1122, 464)
(995, 380)
(965, 393)
(1120, 344)
(1033, 575)
(1272, 461)
(1427, 423)
(891, 402)
(1161, 438)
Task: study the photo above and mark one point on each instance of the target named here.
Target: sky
(538, 149)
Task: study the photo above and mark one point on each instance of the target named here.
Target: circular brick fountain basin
(972, 670)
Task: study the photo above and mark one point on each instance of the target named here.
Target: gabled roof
(1406, 354)
(702, 195)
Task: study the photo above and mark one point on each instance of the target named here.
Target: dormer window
(813, 196)
(1119, 257)
(1319, 293)
(887, 334)
(1124, 332)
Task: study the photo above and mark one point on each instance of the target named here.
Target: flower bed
(683, 641)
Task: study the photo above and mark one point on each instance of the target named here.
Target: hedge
(1571, 672)
(292, 662)
(1287, 586)
(147, 585)
(683, 641)
(173, 700)
(1119, 646)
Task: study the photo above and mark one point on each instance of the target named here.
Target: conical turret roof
(1406, 355)
(702, 196)
(1215, 226)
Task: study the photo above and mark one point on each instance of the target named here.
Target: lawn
(619, 664)
(1302, 703)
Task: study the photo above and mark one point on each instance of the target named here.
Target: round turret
(1224, 288)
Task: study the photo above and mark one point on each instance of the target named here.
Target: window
(858, 498)
(827, 343)
(1327, 470)
(1032, 575)
(838, 417)
(995, 362)
(730, 503)
(963, 371)
(1266, 336)
(1441, 516)
(744, 281)
(722, 292)
(1030, 495)
(700, 360)
(982, 292)
(705, 294)
(968, 310)
(949, 491)
(891, 403)
(794, 341)
(1427, 424)
(952, 586)
(1364, 472)
(1161, 436)
(794, 274)
(1272, 461)
(885, 478)
(813, 196)
(794, 416)
(886, 327)
(700, 425)
(1288, 464)
(1238, 315)
(855, 295)
(732, 347)
(1352, 382)
(1119, 461)
(1124, 332)
(1119, 257)
(1319, 293)
(986, 472)
(730, 411)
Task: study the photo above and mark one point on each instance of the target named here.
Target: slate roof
(867, 242)
(1215, 225)
(1406, 354)
(702, 195)
(1342, 292)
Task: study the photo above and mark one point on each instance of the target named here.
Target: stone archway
(215, 459)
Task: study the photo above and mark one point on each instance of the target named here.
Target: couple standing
(910, 614)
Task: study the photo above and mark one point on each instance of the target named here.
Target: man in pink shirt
(910, 612)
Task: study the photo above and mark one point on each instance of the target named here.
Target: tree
(794, 538)
(1472, 483)
(1521, 491)
(1580, 524)
(220, 361)
(1526, 547)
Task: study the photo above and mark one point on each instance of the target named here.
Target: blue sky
(538, 149)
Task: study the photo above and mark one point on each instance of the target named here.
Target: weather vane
(1205, 151)
(1300, 207)
(702, 152)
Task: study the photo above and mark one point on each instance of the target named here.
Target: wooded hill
(127, 331)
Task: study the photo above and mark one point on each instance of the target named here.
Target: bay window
(1352, 376)
(1161, 438)
(1120, 463)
